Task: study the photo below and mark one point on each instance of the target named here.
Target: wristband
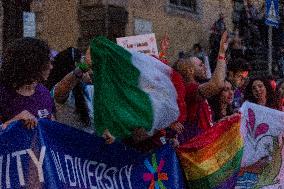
(83, 66)
(221, 57)
(78, 73)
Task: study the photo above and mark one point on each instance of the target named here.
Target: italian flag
(132, 90)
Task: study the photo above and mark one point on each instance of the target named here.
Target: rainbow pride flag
(213, 159)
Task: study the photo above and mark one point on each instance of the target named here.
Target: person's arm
(66, 85)
(214, 85)
(29, 120)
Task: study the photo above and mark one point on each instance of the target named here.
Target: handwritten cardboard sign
(142, 43)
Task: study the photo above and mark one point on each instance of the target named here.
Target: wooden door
(100, 20)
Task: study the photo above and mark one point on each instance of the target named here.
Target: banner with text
(57, 156)
(142, 43)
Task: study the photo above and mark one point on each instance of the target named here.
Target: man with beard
(194, 71)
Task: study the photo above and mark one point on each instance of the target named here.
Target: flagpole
(272, 19)
(270, 50)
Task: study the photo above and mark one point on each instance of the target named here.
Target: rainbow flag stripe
(213, 159)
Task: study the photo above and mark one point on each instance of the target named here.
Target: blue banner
(272, 13)
(57, 156)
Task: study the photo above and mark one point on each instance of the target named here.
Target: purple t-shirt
(40, 104)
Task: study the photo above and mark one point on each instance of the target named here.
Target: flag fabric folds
(262, 162)
(133, 90)
(259, 126)
(213, 159)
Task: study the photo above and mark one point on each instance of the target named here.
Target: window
(188, 5)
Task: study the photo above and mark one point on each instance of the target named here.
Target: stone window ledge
(182, 12)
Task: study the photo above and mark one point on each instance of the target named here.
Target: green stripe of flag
(119, 104)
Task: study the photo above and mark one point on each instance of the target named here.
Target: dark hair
(238, 65)
(23, 62)
(272, 100)
(215, 104)
(174, 66)
(197, 45)
(63, 64)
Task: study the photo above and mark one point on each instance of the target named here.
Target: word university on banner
(54, 156)
(212, 160)
(262, 129)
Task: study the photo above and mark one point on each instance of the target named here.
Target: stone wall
(184, 28)
(58, 22)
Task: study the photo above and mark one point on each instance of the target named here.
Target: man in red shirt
(193, 71)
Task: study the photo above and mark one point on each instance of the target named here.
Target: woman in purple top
(26, 63)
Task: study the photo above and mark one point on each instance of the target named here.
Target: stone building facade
(11, 20)
(75, 22)
(184, 26)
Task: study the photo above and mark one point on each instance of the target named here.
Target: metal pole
(270, 50)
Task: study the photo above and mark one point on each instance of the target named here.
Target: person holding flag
(70, 84)
(134, 96)
(135, 92)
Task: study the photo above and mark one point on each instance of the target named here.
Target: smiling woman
(26, 64)
(259, 91)
(221, 103)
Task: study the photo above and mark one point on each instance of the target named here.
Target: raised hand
(224, 43)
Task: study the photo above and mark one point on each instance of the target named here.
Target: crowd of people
(34, 84)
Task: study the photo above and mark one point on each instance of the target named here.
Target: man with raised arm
(194, 71)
